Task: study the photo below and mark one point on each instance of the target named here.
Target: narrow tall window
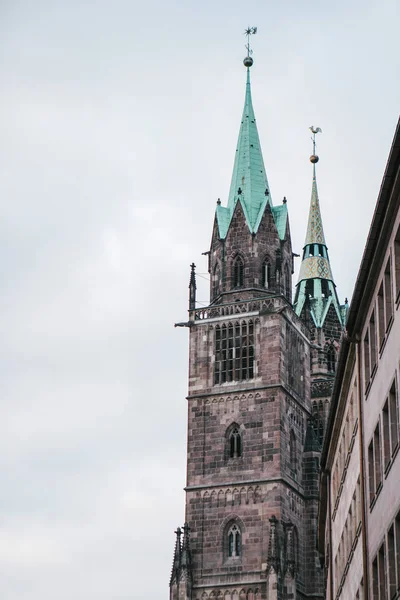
(292, 453)
(377, 458)
(397, 262)
(234, 352)
(266, 274)
(235, 443)
(331, 359)
(216, 280)
(388, 294)
(309, 288)
(382, 572)
(375, 580)
(287, 282)
(234, 541)
(386, 434)
(371, 477)
(367, 368)
(392, 562)
(394, 417)
(372, 341)
(381, 315)
(238, 272)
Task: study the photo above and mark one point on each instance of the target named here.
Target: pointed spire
(249, 179)
(315, 230)
(176, 565)
(192, 287)
(316, 286)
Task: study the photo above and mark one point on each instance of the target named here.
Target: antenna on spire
(248, 61)
(314, 130)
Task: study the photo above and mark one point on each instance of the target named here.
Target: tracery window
(234, 541)
(266, 274)
(235, 443)
(216, 280)
(238, 272)
(331, 359)
(292, 453)
(234, 352)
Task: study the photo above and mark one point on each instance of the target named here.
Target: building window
(381, 316)
(235, 443)
(292, 453)
(216, 280)
(382, 572)
(390, 426)
(287, 282)
(397, 262)
(234, 545)
(375, 464)
(393, 417)
(266, 274)
(309, 291)
(331, 359)
(367, 369)
(392, 562)
(238, 272)
(234, 352)
(388, 295)
(325, 288)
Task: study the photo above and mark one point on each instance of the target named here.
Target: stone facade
(359, 521)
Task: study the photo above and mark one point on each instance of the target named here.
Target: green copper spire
(249, 179)
(315, 230)
(315, 279)
(249, 184)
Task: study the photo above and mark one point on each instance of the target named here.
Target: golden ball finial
(314, 158)
(248, 61)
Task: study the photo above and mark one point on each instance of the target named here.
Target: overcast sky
(119, 122)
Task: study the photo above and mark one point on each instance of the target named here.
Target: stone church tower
(253, 454)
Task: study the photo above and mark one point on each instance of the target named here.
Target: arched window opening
(266, 274)
(234, 541)
(325, 288)
(292, 453)
(287, 282)
(331, 359)
(216, 280)
(235, 443)
(238, 272)
(309, 288)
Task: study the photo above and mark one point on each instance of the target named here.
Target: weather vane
(248, 32)
(248, 61)
(314, 130)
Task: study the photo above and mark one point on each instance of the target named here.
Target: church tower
(252, 454)
(316, 302)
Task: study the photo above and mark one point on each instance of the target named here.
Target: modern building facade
(359, 519)
(259, 372)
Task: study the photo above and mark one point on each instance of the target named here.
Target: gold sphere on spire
(248, 61)
(314, 158)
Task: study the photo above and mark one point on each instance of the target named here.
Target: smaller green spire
(316, 282)
(315, 230)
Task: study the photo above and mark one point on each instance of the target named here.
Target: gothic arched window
(266, 274)
(292, 453)
(287, 283)
(234, 541)
(331, 359)
(238, 272)
(215, 280)
(235, 443)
